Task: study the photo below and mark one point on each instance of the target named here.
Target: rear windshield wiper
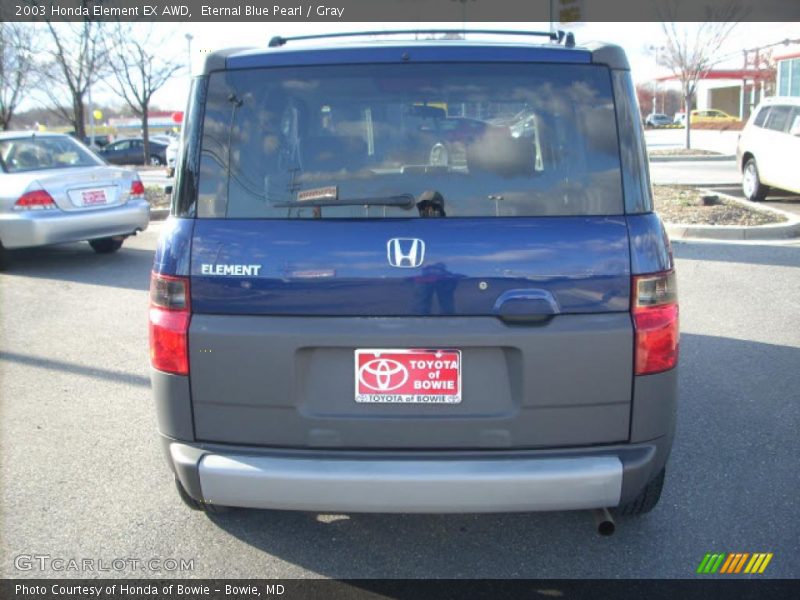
(406, 201)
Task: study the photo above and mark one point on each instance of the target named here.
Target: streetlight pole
(189, 38)
(657, 50)
(91, 118)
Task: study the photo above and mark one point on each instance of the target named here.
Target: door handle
(526, 306)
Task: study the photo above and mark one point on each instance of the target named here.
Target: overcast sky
(635, 38)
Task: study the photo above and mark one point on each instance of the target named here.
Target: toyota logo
(382, 374)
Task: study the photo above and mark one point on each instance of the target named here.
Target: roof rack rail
(558, 36)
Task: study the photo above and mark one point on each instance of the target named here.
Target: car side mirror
(168, 190)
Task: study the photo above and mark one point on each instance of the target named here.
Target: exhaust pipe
(604, 522)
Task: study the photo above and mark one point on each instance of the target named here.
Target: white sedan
(53, 190)
(172, 156)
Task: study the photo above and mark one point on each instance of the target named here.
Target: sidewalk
(723, 142)
(695, 172)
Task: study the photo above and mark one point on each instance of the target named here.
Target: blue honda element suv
(415, 276)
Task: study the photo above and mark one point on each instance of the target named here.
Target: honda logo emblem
(405, 253)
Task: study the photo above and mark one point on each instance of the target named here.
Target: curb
(711, 187)
(774, 231)
(700, 158)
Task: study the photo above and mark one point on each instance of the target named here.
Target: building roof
(795, 54)
(737, 74)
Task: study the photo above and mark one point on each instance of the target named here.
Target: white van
(768, 148)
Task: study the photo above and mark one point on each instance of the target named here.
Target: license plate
(92, 197)
(408, 376)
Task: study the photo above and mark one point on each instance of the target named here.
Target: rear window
(761, 117)
(33, 153)
(778, 118)
(447, 140)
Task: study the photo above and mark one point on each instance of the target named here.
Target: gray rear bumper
(407, 486)
(417, 482)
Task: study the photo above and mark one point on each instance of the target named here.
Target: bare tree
(139, 71)
(691, 51)
(17, 67)
(79, 59)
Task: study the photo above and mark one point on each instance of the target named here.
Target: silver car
(54, 190)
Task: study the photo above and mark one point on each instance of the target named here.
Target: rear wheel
(647, 499)
(196, 504)
(753, 189)
(439, 155)
(106, 245)
(3, 258)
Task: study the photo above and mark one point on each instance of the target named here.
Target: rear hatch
(363, 277)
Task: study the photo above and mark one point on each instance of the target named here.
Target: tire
(647, 498)
(196, 504)
(439, 155)
(3, 258)
(106, 245)
(753, 189)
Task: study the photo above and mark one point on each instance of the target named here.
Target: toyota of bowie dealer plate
(408, 376)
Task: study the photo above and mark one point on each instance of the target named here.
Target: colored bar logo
(734, 563)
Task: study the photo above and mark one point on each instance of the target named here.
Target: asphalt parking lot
(83, 477)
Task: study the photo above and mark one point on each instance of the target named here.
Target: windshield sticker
(323, 193)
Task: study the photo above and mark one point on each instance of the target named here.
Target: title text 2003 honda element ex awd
(415, 276)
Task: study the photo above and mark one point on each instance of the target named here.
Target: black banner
(395, 589)
(419, 11)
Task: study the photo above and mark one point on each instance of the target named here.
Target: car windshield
(464, 139)
(38, 153)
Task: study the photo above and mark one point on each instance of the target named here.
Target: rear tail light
(655, 320)
(35, 200)
(137, 189)
(169, 323)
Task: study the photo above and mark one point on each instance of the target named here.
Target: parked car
(53, 190)
(768, 148)
(335, 326)
(705, 116)
(130, 151)
(712, 116)
(657, 120)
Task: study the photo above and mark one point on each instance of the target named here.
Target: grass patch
(156, 196)
(684, 204)
(682, 152)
